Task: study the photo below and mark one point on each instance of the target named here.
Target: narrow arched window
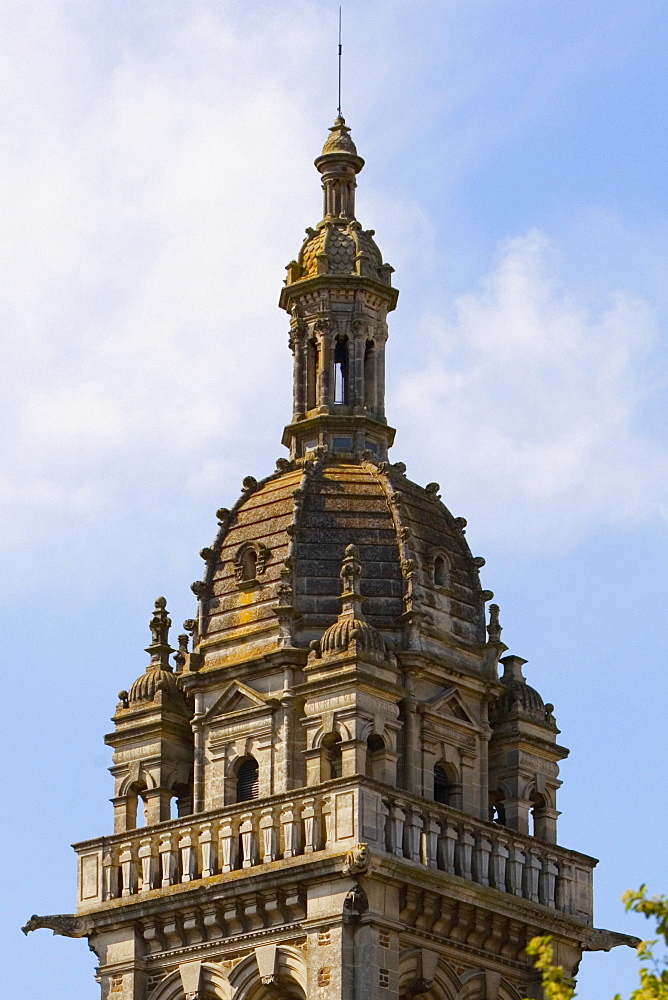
(332, 756)
(248, 780)
(440, 572)
(341, 370)
(370, 375)
(497, 810)
(441, 785)
(249, 564)
(538, 826)
(311, 374)
(375, 748)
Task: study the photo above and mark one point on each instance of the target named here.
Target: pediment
(450, 704)
(236, 698)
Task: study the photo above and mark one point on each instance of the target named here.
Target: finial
(340, 51)
(351, 572)
(160, 625)
(160, 622)
(494, 629)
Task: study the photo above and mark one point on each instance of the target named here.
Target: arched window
(441, 785)
(249, 564)
(497, 810)
(375, 749)
(136, 805)
(248, 780)
(370, 375)
(182, 802)
(331, 744)
(440, 572)
(311, 374)
(341, 370)
(537, 825)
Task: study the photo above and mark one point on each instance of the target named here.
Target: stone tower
(343, 795)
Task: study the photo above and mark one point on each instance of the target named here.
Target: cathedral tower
(337, 787)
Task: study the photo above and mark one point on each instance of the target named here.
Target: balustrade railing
(340, 814)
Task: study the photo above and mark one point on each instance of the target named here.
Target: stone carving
(356, 903)
(64, 924)
(494, 628)
(198, 588)
(160, 623)
(357, 861)
(249, 484)
(222, 513)
(599, 939)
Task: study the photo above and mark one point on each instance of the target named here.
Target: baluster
(450, 843)
(397, 821)
(147, 861)
(564, 889)
(290, 825)
(465, 853)
(208, 848)
(168, 859)
(247, 840)
(109, 877)
(310, 826)
(188, 857)
(532, 869)
(547, 882)
(499, 864)
(431, 832)
(413, 826)
(514, 868)
(326, 812)
(268, 834)
(128, 870)
(227, 841)
(481, 855)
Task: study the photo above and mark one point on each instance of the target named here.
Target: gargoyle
(356, 861)
(65, 924)
(598, 939)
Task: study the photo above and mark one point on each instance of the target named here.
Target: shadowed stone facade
(344, 796)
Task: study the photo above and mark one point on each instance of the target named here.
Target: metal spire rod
(340, 50)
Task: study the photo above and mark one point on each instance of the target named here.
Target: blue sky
(156, 160)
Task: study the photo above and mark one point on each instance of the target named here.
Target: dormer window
(249, 563)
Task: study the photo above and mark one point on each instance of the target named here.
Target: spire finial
(340, 51)
(351, 571)
(160, 625)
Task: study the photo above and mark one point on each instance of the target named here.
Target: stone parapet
(342, 813)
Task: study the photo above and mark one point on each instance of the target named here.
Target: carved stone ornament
(357, 861)
(65, 924)
(356, 903)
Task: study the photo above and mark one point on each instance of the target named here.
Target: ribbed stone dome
(298, 523)
(519, 698)
(156, 679)
(337, 638)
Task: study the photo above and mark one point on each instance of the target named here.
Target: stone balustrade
(334, 817)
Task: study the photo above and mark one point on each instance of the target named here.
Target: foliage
(653, 972)
(556, 984)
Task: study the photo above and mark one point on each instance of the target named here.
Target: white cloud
(538, 405)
